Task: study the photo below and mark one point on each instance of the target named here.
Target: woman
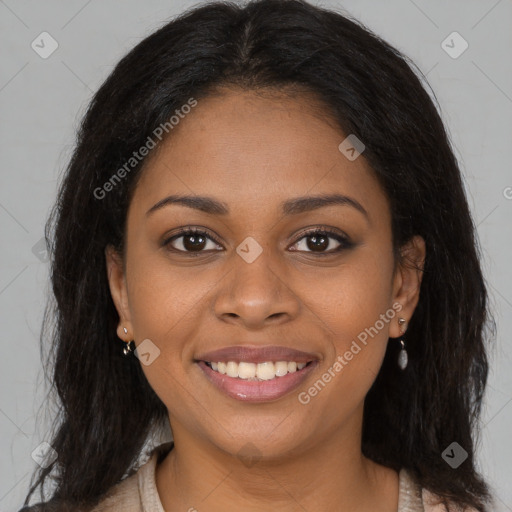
(264, 207)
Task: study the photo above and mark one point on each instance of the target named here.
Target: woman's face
(257, 280)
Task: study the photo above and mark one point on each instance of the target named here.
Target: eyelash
(344, 242)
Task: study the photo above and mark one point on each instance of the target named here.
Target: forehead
(249, 149)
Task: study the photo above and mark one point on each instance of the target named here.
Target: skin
(252, 152)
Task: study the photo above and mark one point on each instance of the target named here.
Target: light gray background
(42, 101)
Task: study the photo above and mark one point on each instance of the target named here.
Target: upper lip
(248, 354)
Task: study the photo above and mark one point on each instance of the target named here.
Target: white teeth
(232, 369)
(265, 371)
(246, 370)
(260, 371)
(281, 368)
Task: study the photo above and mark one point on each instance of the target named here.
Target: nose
(256, 294)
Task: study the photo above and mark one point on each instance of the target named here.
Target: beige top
(138, 492)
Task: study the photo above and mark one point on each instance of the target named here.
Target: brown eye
(318, 241)
(191, 241)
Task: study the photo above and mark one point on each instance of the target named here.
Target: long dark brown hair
(107, 408)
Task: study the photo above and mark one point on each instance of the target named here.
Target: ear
(118, 290)
(407, 281)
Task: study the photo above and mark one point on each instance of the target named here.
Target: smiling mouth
(256, 382)
(257, 373)
(245, 370)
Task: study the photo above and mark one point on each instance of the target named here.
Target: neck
(332, 476)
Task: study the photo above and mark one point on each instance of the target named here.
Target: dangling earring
(129, 347)
(402, 356)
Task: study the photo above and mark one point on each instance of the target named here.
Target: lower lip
(257, 391)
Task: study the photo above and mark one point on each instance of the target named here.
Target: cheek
(351, 310)
(356, 293)
(166, 304)
(162, 299)
(163, 313)
(356, 308)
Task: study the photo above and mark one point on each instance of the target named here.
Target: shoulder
(414, 498)
(52, 506)
(432, 503)
(123, 496)
(136, 493)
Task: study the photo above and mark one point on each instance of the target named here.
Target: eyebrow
(294, 206)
